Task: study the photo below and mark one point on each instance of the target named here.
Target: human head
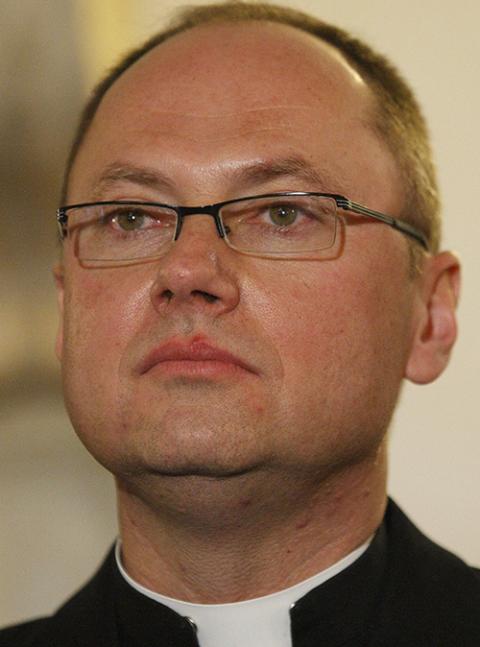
(397, 117)
(328, 342)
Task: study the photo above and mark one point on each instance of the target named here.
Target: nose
(199, 271)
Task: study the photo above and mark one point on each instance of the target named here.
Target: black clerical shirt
(404, 591)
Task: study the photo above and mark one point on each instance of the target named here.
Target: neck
(212, 541)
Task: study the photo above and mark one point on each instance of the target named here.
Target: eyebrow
(261, 172)
(125, 172)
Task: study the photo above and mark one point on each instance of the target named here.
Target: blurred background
(57, 516)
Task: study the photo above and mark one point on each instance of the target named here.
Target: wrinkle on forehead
(208, 127)
(219, 114)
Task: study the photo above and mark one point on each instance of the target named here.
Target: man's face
(216, 113)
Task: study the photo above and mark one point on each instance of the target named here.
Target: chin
(191, 462)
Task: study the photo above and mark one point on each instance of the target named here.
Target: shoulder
(419, 559)
(80, 620)
(23, 635)
(429, 594)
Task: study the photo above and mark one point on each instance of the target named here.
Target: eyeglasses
(278, 225)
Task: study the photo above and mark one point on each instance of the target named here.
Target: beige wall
(57, 507)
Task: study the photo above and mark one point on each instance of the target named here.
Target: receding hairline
(303, 34)
(397, 117)
(367, 118)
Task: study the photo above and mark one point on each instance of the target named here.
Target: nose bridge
(196, 267)
(206, 210)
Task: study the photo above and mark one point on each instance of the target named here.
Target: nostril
(209, 298)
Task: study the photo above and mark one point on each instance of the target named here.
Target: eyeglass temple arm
(396, 223)
(62, 220)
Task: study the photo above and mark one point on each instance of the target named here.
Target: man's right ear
(59, 277)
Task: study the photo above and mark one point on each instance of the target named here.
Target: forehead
(243, 56)
(219, 89)
(214, 69)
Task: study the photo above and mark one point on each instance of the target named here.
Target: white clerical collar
(260, 622)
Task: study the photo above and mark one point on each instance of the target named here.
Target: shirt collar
(263, 621)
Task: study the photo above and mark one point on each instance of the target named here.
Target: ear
(59, 278)
(435, 326)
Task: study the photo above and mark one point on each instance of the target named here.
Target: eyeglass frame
(214, 210)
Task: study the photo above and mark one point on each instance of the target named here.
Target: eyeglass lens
(277, 225)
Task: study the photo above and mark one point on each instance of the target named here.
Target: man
(236, 365)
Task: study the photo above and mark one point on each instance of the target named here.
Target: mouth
(194, 358)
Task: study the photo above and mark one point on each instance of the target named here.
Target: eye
(129, 219)
(283, 214)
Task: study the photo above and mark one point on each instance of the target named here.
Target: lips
(201, 352)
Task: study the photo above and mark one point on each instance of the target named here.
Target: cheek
(305, 317)
(342, 340)
(102, 311)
